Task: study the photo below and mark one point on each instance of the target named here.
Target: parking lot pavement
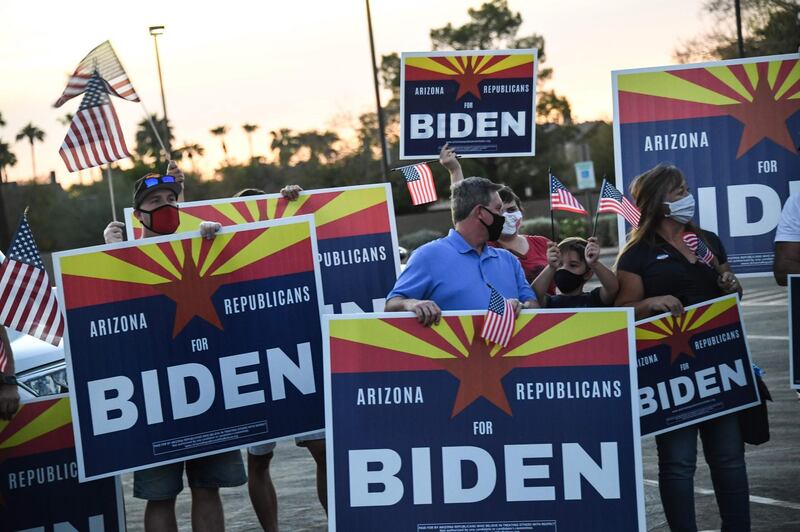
(773, 468)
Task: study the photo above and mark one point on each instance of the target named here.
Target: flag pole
(429, 161)
(111, 192)
(597, 209)
(550, 195)
(155, 131)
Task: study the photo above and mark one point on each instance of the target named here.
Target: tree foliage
(769, 27)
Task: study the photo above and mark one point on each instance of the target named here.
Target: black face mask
(566, 281)
(495, 229)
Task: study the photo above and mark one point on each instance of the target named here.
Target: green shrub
(414, 240)
(536, 226)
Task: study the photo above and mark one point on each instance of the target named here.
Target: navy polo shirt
(450, 272)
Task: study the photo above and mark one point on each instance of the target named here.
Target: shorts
(300, 441)
(225, 470)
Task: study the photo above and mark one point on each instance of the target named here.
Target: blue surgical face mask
(682, 210)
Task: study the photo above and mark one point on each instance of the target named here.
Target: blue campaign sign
(733, 128)
(180, 347)
(482, 102)
(356, 236)
(431, 429)
(694, 367)
(794, 331)
(39, 488)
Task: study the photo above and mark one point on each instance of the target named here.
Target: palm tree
(7, 158)
(285, 143)
(249, 129)
(66, 119)
(32, 133)
(191, 151)
(220, 132)
(320, 145)
(148, 148)
(2, 122)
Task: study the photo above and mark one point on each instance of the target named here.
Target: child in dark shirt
(571, 263)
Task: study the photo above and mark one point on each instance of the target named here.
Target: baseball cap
(152, 182)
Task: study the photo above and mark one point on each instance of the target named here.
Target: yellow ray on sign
(293, 206)
(666, 85)
(379, 333)
(271, 240)
(347, 203)
(232, 213)
(155, 253)
(646, 334)
(791, 79)
(752, 73)
(773, 67)
(467, 325)
(580, 326)
(509, 62)
(713, 311)
(427, 63)
(101, 265)
(177, 247)
(456, 64)
(726, 75)
(217, 245)
(188, 222)
(444, 330)
(51, 419)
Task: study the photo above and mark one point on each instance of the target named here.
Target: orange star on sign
(764, 118)
(192, 296)
(468, 82)
(480, 375)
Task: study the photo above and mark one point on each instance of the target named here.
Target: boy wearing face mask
(570, 264)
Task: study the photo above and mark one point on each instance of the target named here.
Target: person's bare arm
(447, 158)
(9, 393)
(787, 261)
(545, 278)
(427, 312)
(631, 294)
(609, 284)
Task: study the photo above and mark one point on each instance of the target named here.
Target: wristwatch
(8, 379)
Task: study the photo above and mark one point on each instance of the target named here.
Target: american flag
(698, 247)
(612, 200)
(94, 137)
(562, 199)
(27, 303)
(498, 324)
(3, 357)
(419, 179)
(103, 60)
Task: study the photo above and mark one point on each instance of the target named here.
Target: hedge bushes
(574, 226)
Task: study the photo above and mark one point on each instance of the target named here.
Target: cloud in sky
(301, 64)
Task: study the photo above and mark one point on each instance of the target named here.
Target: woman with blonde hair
(667, 264)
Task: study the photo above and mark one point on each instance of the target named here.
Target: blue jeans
(677, 461)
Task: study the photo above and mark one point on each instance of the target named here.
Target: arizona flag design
(40, 476)
(178, 331)
(732, 128)
(355, 229)
(481, 102)
(693, 367)
(408, 405)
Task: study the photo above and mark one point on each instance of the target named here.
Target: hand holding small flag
(498, 324)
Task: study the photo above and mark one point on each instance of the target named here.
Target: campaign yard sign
(39, 488)
(483, 102)
(179, 346)
(693, 367)
(794, 331)
(433, 429)
(733, 128)
(356, 236)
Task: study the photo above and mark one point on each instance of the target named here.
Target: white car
(41, 368)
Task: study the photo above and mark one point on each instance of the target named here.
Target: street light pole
(155, 31)
(381, 125)
(739, 39)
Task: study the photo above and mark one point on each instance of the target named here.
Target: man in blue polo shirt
(455, 272)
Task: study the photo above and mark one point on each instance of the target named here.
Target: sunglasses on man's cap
(158, 179)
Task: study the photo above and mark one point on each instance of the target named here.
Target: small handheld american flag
(419, 179)
(94, 137)
(3, 357)
(562, 199)
(27, 303)
(698, 247)
(612, 200)
(105, 62)
(498, 324)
